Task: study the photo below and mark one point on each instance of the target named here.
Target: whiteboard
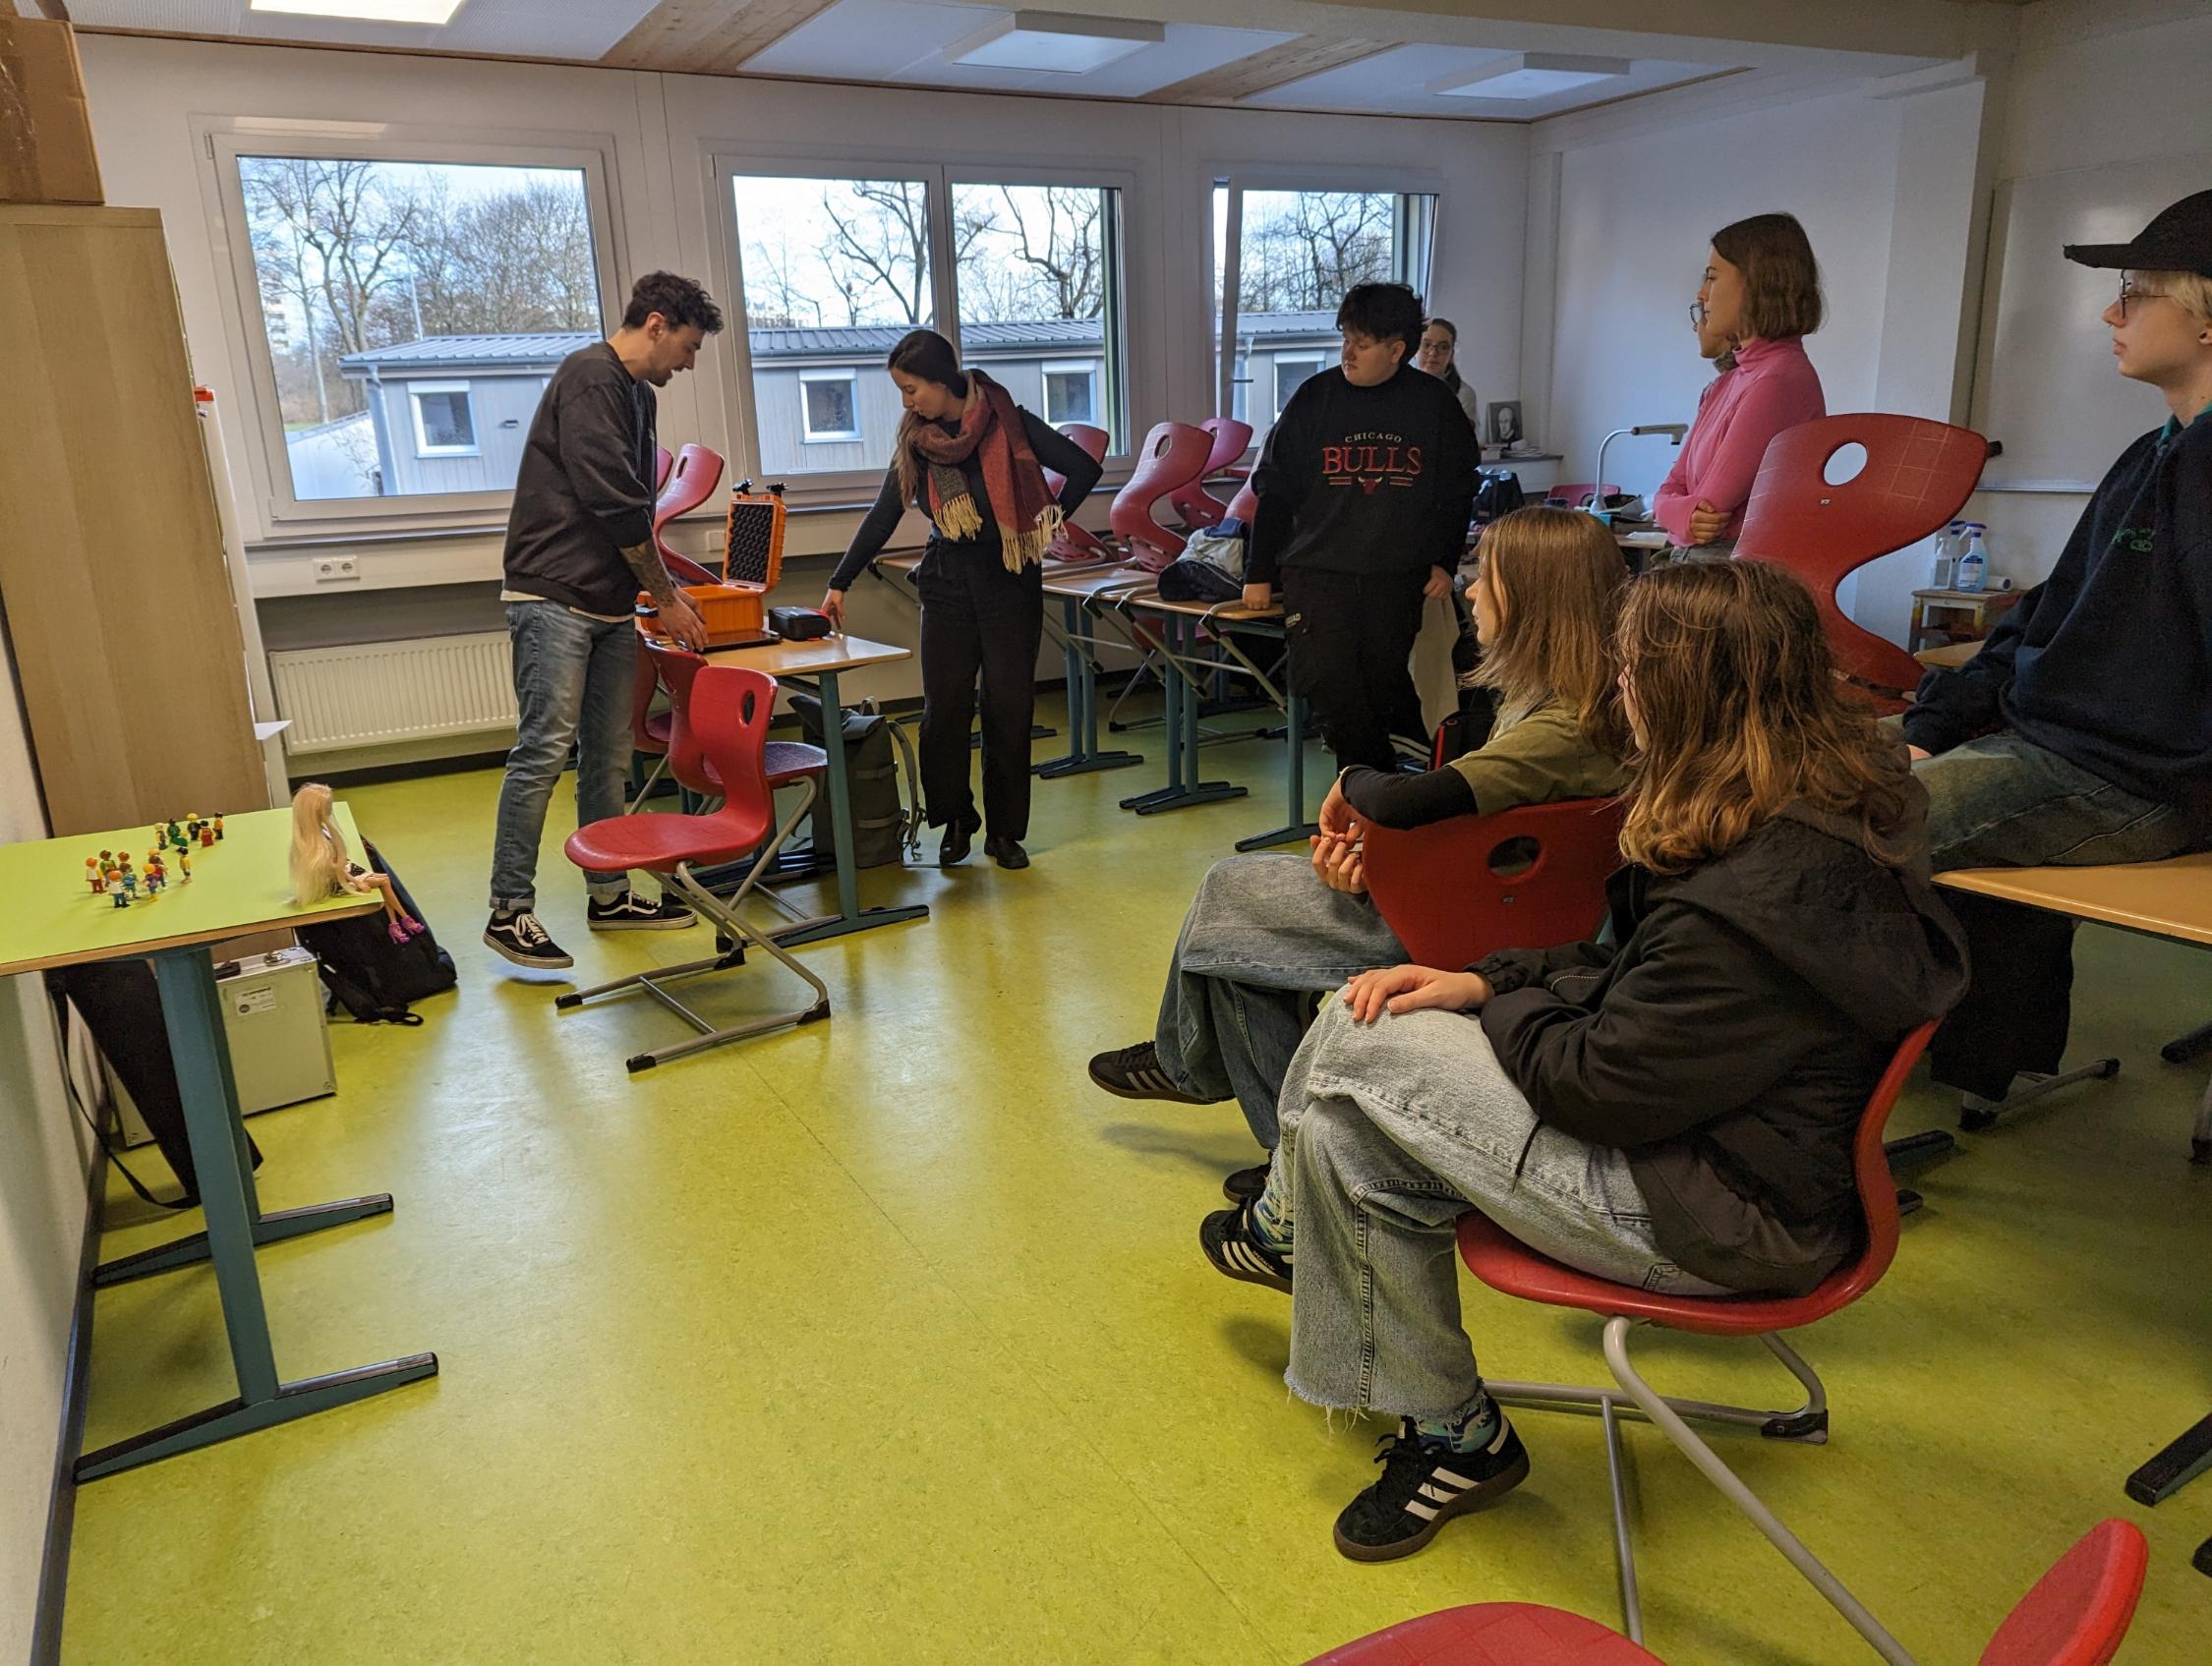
(2044, 382)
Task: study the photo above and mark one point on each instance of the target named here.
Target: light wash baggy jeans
(1390, 1132)
(573, 681)
(1263, 936)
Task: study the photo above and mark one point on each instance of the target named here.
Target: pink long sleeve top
(1773, 387)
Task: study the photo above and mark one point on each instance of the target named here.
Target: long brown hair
(924, 354)
(1782, 279)
(1560, 576)
(1740, 713)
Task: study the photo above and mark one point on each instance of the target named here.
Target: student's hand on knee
(1413, 989)
(1337, 864)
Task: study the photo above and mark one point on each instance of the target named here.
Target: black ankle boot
(1005, 853)
(959, 834)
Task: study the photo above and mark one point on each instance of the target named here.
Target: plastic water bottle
(1973, 561)
(1947, 554)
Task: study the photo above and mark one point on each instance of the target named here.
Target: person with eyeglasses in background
(1759, 298)
(1438, 355)
(2080, 734)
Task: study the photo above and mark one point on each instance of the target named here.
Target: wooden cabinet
(112, 573)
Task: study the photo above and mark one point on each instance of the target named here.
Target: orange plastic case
(735, 611)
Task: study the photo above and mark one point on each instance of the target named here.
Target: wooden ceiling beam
(1263, 71)
(708, 36)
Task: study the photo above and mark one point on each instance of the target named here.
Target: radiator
(371, 693)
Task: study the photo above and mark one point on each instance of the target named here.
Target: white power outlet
(336, 569)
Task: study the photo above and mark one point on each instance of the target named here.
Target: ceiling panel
(1395, 83)
(537, 29)
(904, 41)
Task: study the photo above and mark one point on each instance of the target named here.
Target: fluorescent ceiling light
(1531, 75)
(1059, 43)
(437, 12)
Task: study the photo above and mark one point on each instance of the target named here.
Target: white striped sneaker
(1135, 1072)
(1424, 1487)
(1234, 1251)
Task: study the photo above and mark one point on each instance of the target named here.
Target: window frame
(422, 446)
(275, 512)
(1094, 372)
(809, 434)
(728, 160)
(1412, 257)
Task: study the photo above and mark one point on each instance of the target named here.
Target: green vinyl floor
(888, 1338)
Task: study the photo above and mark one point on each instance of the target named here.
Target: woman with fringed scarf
(973, 462)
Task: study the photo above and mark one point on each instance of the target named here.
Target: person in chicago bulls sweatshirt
(1365, 484)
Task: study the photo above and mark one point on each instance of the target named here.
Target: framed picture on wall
(1505, 422)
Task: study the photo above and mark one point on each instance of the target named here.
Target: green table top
(50, 917)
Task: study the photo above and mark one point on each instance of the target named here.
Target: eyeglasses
(2129, 292)
(1699, 312)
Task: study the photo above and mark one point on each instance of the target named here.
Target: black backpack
(373, 978)
(1497, 491)
(881, 822)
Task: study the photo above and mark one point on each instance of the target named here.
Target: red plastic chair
(1197, 506)
(1079, 543)
(662, 461)
(1505, 1264)
(723, 713)
(1245, 504)
(1173, 455)
(1440, 887)
(2077, 1615)
(1917, 476)
(697, 471)
(649, 729)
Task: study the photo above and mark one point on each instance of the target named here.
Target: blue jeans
(574, 683)
(1391, 1132)
(1262, 938)
(2004, 802)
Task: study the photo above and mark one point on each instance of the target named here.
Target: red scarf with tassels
(1028, 517)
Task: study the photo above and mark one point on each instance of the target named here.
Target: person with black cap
(2081, 733)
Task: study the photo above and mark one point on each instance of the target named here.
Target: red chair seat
(1493, 1634)
(788, 760)
(1506, 1264)
(658, 842)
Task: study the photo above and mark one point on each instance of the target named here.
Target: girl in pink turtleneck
(1761, 296)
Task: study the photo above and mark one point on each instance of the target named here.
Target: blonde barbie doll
(323, 867)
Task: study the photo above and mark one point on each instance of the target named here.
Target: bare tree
(881, 240)
(1064, 250)
(342, 213)
(1304, 259)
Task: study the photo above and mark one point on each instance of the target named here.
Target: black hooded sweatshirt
(1730, 1042)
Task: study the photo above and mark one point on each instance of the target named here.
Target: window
(1037, 271)
(827, 404)
(1071, 392)
(444, 426)
(1290, 371)
(1294, 253)
(833, 271)
(374, 275)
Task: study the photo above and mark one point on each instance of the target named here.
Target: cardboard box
(45, 130)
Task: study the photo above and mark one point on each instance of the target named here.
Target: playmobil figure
(322, 867)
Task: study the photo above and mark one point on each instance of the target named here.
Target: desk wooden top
(2171, 899)
(905, 562)
(834, 652)
(1950, 653)
(241, 885)
(1220, 612)
(1080, 584)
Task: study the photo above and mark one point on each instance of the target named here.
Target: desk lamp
(1673, 432)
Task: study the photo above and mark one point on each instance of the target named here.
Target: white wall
(45, 1164)
(1633, 215)
(2082, 99)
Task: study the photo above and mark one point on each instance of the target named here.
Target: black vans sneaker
(1424, 1487)
(1135, 1072)
(630, 912)
(523, 940)
(1235, 1249)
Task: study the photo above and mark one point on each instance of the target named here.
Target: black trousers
(1351, 638)
(2016, 1012)
(978, 617)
